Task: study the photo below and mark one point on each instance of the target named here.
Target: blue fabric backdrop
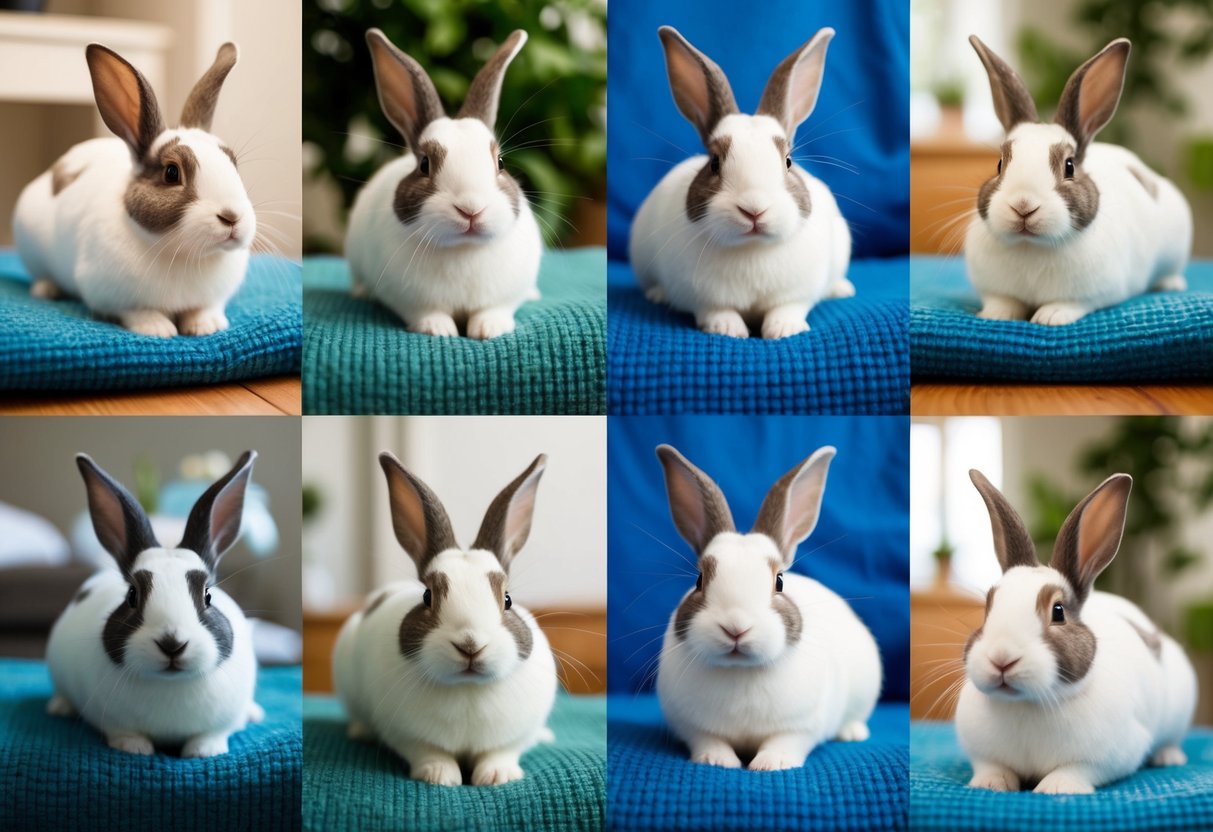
(858, 548)
(861, 119)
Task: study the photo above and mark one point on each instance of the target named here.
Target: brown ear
(214, 521)
(125, 99)
(199, 109)
(1012, 543)
(1012, 102)
(484, 93)
(791, 92)
(507, 523)
(791, 508)
(700, 88)
(696, 502)
(1089, 100)
(118, 519)
(1089, 538)
(406, 93)
(418, 518)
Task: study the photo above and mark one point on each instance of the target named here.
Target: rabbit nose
(1023, 209)
(468, 648)
(752, 214)
(734, 632)
(170, 647)
(1003, 665)
(228, 218)
(469, 213)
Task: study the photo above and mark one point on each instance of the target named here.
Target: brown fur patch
(1147, 182)
(421, 620)
(416, 188)
(990, 186)
(81, 595)
(696, 600)
(976, 634)
(231, 154)
(706, 184)
(523, 637)
(1072, 642)
(796, 186)
(793, 623)
(1080, 194)
(375, 602)
(158, 205)
(61, 177)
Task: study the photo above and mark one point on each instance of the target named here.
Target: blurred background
(350, 548)
(1045, 466)
(46, 98)
(857, 550)
(551, 123)
(1165, 114)
(48, 546)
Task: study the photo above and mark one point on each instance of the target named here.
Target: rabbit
(447, 669)
(152, 228)
(1066, 225)
(1068, 689)
(153, 653)
(443, 236)
(743, 235)
(758, 661)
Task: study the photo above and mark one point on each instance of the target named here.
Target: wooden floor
(259, 397)
(1055, 400)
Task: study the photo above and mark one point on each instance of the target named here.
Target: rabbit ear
(1089, 100)
(791, 508)
(1089, 538)
(199, 110)
(214, 521)
(406, 93)
(1012, 102)
(791, 93)
(418, 518)
(507, 523)
(119, 520)
(696, 502)
(700, 88)
(1012, 543)
(125, 99)
(485, 90)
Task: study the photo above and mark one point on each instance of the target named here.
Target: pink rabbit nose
(734, 634)
(1004, 665)
(751, 214)
(468, 648)
(228, 218)
(469, 213)
(1023, 209)
(170, 647)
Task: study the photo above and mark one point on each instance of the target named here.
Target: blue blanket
(1158, 799)
(842, 786)
(57, 774)
(854, 360)
(59, 345)
(1152, 339)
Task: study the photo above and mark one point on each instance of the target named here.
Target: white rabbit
(152, 228)
(447, 669)
(1068, 689)
(743, 236)
(444, 236)
(1068, 226)
(757, 662)
(152, 653)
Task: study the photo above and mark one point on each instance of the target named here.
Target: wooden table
(1058, 400)
(279, 396)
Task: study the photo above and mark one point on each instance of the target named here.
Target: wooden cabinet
(941, 619)
(945, 174)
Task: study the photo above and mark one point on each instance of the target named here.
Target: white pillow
(30, 540)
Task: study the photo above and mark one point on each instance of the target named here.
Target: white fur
(425, 708)
(84, 242)
(1136, 242)
(1070, 738)
(777, 701)
(716, 271)
(432, 273)
(136, 705)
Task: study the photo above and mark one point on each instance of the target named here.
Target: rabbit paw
(853, 732)
(724, 322)
(841, 288)
(435, 323)
(202, 321)
(60, 706)
(438, 772)
(781, 325)
(998, 308)
(491, 323)
(717, 755)
(131, 743)
(1059, 314)
(1169, 755)
(205, 745)
(46, 289)
(775, 760)
(256, 713)
(996, 779)
(149, 322)
(359, 731)
(654, 294)
(1170, 283)
(1064, 782)
(493, 771)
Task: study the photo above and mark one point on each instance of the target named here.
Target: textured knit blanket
(57, 774)
(1151, 339)
(360, 359)
(1157, 799)
(854, 359)
(358, 787)
(59, 345)
(842, 786)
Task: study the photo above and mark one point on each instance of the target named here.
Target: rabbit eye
(1059, 614)
(425, 165)
(699, 582)
(788, 162)
(1069, 168)
(207, 598)
(172, 174)
(1000, 167)
(500, 163)
(779, 582)
(132, 598)
(714, 164)
(508, 601)
(427, 598)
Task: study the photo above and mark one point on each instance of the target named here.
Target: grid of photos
(584, 415)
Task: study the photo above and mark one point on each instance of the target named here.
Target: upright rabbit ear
(485, 91)
(418, 518)
(700, 88)
(199, 110)
(791, 92)
(406, 93)
(119, 520)
(791, 508)
(1012, 543)
(696, 502)
(214, 521)
(1089, 100)
(1089, 538)
(1012, 102)
(125, 99)
(507, 523)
